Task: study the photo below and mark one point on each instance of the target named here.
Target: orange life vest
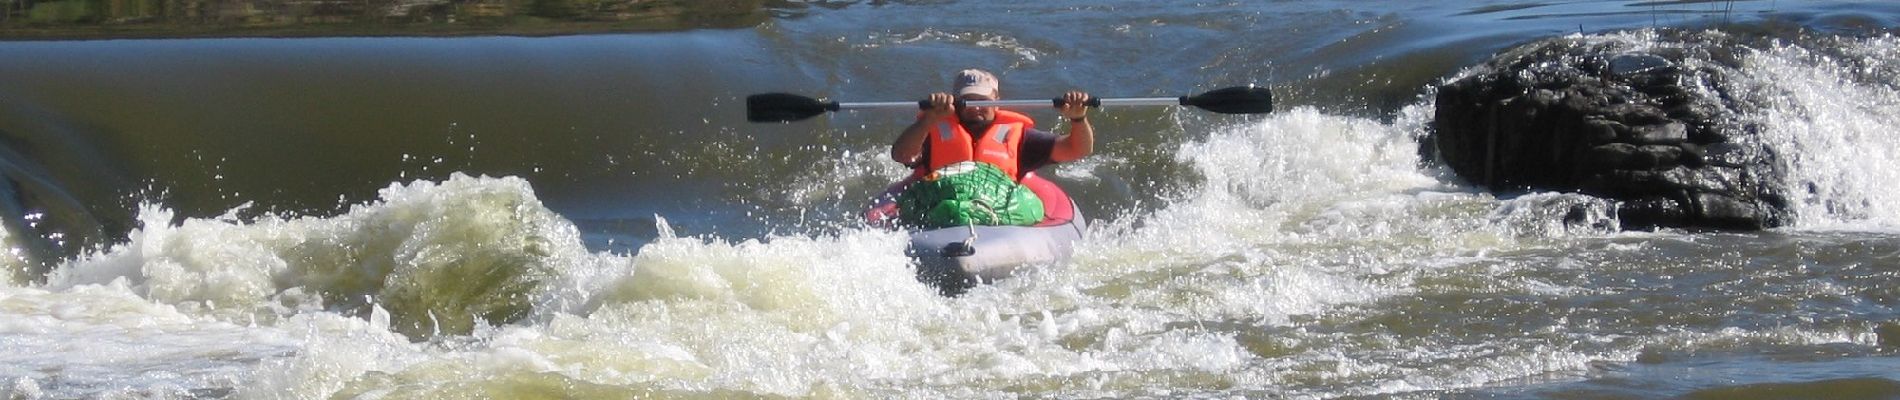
(951, 144)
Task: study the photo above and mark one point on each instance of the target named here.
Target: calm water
(590, 216)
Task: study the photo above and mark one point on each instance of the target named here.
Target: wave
(470, 286)
(438, 256)
(1829, 105)
(1251, 277)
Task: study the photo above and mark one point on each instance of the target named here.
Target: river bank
(129, 19)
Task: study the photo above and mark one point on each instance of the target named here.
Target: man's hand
(1080, 141)
(909, 146)
(1075, 105)
(942, 105)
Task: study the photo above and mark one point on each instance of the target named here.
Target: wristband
(1078, 119)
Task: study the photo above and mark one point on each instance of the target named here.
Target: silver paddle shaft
(1139, 101)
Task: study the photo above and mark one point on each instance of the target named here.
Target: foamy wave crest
(103, 341)
(1301, 176)
(1304, 211)
(784, 316)
(1280, 198)
(780, 316)
(439, 256)
(1831, 115)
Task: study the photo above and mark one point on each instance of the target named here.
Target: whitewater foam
(470, 287)
(1831, 114)
(437, 256)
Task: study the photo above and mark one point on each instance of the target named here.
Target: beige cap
(976, 81)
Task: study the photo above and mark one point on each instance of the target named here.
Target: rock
(1648, 127)
(1671, 132)
(1612, 156)
(1651, 213)
(1629, 64)
(1692, 155)
(1656, 156)
(1597, 130)
(1625, 156)
(1635, 114)
(1716, 210)
(1728, 155)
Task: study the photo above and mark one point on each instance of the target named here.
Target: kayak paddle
(786, 107)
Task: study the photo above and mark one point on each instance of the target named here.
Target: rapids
(589, 216)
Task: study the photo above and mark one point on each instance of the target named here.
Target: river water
(590, 216)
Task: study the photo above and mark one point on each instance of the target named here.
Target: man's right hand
(909, 146)
(942, 105)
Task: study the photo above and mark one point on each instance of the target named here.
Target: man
(970, 159)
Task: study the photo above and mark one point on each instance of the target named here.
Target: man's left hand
(1075, 105)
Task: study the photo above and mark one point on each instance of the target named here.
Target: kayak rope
(991, 210)
(970, 242)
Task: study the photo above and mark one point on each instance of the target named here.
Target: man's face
(976, 115)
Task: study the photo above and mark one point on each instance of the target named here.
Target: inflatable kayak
(956, 258)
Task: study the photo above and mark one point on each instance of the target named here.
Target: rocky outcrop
(1644, 125)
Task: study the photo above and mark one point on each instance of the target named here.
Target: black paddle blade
(1234, 100)
(784, 107)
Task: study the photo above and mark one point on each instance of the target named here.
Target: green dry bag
(968, 193)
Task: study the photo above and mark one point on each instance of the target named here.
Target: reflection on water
(119, 18)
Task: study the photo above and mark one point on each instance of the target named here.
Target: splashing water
(1831, 114)
(1310, 256)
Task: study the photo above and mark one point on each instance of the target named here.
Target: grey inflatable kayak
(957, 258)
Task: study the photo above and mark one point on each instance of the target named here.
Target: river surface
(591, 217)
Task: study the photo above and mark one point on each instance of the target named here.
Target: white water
(295, 307)
(1834, 117)
(1303, 220)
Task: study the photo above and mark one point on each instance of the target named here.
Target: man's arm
(1080, 142)
(909, 145)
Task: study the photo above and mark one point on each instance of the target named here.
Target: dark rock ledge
(1646, 126)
